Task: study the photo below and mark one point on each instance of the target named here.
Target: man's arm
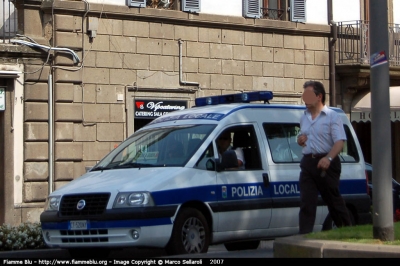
(240, 156)
(336, 149)
(301, 140)
(324, 163)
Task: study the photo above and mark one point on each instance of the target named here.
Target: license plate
(78, 225)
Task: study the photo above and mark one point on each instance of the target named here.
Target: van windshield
(159, 147)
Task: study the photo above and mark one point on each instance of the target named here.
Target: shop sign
(151, 109)
(365, 116)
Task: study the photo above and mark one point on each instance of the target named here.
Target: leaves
(23, 236)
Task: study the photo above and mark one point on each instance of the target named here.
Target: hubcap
(193, 235)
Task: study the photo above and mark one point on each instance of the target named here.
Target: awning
(361, 106)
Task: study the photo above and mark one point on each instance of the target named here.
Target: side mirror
(210, 165)
(228, 160)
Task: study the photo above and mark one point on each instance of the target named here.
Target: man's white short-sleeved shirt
(322, 132)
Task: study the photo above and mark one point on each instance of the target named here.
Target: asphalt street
(265, 250)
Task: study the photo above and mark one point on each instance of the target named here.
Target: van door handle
(265, 180)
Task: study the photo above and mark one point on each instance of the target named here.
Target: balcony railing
(353, 43)
(8, 21)
(271, 13)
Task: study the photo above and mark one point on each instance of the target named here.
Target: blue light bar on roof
(245, 97)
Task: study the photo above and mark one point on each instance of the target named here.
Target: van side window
(243, 137)
(207, 160)
(349, 152)
(282, 141)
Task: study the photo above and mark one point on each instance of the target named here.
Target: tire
(190, 234)
(330, 225)
(89, 253)
(242, 245)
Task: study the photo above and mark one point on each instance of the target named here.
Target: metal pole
(51, 133)
(332, 64)
(4, 21)
(380, 123)
(181, 81)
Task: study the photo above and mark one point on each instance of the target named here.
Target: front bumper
(148, 236)
(133, 227)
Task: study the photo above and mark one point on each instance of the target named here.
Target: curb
(302, 247)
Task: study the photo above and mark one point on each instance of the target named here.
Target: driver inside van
(224, 144)
(174, 149)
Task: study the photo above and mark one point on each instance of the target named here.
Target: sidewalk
(300, 247)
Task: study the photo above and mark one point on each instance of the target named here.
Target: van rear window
(282, 141)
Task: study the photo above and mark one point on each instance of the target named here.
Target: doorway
(363, 132)
(143, 105)
(139, 123)
(3, 84)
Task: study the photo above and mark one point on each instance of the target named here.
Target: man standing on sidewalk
(322, 137)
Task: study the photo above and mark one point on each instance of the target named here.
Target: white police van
(166, 187)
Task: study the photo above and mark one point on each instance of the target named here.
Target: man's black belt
(316, 156)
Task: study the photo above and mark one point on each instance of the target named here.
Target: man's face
(224, 141)
(309, 97)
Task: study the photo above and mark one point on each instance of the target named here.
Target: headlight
(133, 199)
(52, 203)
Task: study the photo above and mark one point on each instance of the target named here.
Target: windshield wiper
(133, 165)
(100, 168)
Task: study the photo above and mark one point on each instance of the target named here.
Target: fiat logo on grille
(81, 204)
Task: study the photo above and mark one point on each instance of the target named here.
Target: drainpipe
(181, 82)
(332, 58)
(51, 131)
(332, 65)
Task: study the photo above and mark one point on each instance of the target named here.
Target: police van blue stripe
(245, 191)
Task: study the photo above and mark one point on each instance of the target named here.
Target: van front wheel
(190, 233)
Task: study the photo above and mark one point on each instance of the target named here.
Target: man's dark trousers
(311, 183)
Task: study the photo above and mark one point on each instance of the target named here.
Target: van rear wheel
(242, 245)
(190, 233)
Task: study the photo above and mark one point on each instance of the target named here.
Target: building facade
(81, 76)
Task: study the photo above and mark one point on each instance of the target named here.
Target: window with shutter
(274, 9)
(192, 6)
(252, 8)
(137, 3)
(298, 10)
